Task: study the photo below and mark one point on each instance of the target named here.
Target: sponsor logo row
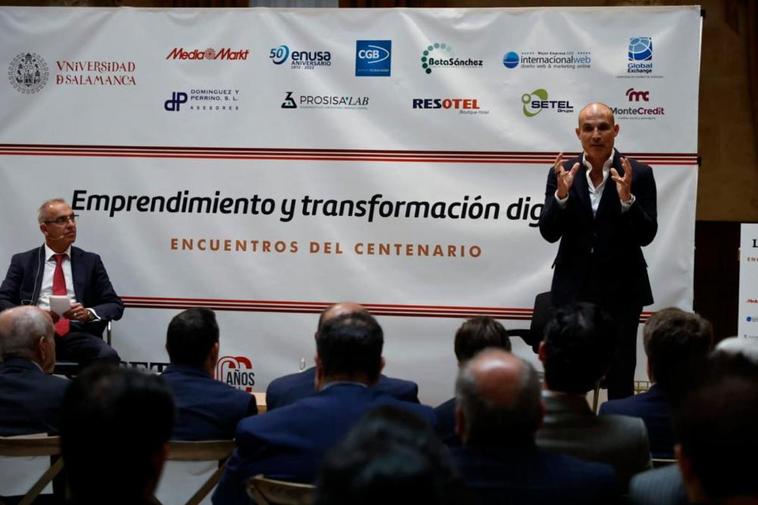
(29, 73)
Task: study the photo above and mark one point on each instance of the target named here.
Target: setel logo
(537, 101)
(225, 53)
(300, 60)
(640, 55)
(174, 103)
(236, 371)
(373, 58)
(636, 96)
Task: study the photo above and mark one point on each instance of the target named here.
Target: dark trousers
(85, 349)
(620, 377)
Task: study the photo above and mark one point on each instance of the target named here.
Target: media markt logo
(300, 60)
(236, 371)
(640, 55)
(28, 73)
(204, 100)
(224, 54)
(440, 55)
(291, 101)
(373, 58)
(537, 101)
(552, 59)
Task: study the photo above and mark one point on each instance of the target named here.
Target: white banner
(747, 327)
(247, 161)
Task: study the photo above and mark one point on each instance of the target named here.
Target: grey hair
(21, 328)
(42, 211)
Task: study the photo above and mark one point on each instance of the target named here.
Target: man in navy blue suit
(475, 335)
(289, 388)
(207, 409)
(31, 398)
(497, 415)
(57, 268)
(289, 443)
(602, 207)
(677, 344)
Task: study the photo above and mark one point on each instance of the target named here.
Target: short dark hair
(579, 343)
(390, 456)
(715, 425)
(113, 421)
(490, 423)
(676, 342)
(351, 344)
(479, 333)
(190, 336)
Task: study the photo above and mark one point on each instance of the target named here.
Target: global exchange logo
(300, 60)
(639, 53)
(28, 73)
(236, 371)
(440, 55)
(537, 101)
(373, 58)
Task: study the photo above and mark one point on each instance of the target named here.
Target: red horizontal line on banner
(318, 154)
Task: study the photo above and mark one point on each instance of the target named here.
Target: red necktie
(59, 288)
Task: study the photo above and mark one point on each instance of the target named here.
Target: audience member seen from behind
(115, 427)
(289, 442)
(473, 336)
(576, 353)
(717, 439)
(498, 412)
(290, 388)
(390, 457)
(677, 344)
(207, 409)
(31, 398)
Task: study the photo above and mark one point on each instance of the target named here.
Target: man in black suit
(602, 207)
(289, 443)
(31, 398)
(57, 268)
(207, 409)
(290, 388)
(497, 415)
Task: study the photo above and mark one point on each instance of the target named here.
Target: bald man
(497, 415)
(602, 207)
(31, 398)
(290, 388)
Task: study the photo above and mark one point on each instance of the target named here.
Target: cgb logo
(373, 58)
(236, 371)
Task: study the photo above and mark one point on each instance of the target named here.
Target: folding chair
(202, 450)
(278, 492)
(541, 314)
(34, 445)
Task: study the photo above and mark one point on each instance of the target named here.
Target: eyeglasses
(63, 219)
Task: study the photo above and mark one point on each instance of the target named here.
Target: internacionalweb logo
(28, 73)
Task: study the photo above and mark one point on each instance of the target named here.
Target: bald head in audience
(498, 398)
(27, 332)
(338, 309)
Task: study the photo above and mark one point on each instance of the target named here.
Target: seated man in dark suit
(288, 443)
(676, 342)
(474, 335)
(498, 413)
(289, 388)
(30, 400)
(58, 269)
(207, 409)
(115, 427)
(576, 353)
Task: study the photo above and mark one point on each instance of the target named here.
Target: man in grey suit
(576, 353)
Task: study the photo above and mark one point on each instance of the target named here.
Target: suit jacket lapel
(77, 272)
(40, 269)
(581, 188)
(610, 198)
